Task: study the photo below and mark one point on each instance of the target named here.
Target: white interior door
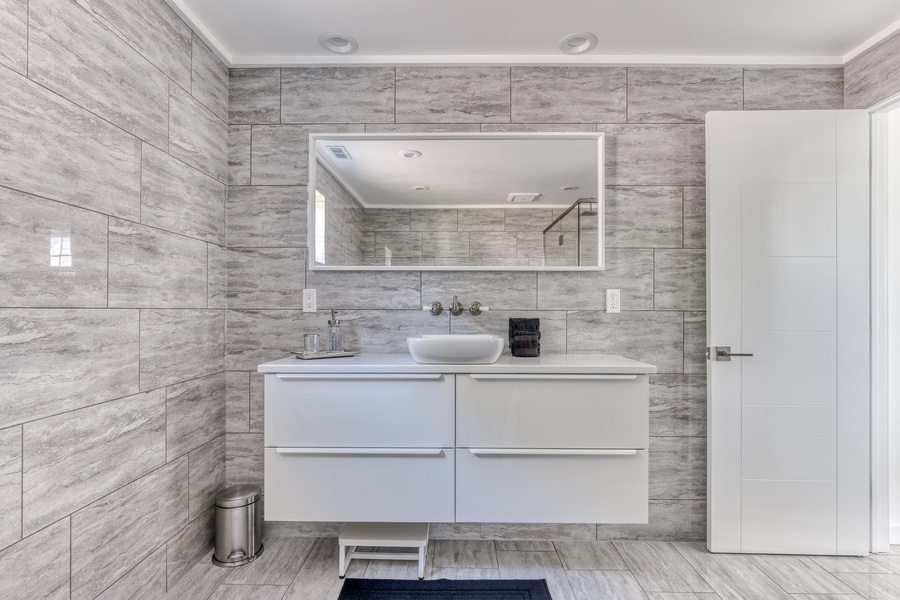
(788, 281)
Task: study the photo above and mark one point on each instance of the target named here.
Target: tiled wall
(655, 238)
(112, 383)
(872, 76)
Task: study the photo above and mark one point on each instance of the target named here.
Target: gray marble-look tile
(599, 585)
(257, 336)
(237, 402)
(196, 135)
(568, 94)
(385, 331)
(147, 581)
(539, 127)
(152, 268)
(10, 486)
(279, 154)
(630, 271)
(337, 95)
(453, 94)
(488, 244)
(454, 531)
(66, 462)
(266, 277)
(446, 245)
(249, 592)
(677, 468)
(279, 563)
(189, 546)
(206, 476)
(422, 128)
(850, 564)
(589, 556)
(257, 402)
(496, 322)
(537, 531)
(317, 578)
(153, 29)
(868, 78)
(181, 199)
(38, 566)
(406, 244)
(90, 65)
(644, 217)
(94, 354)
(463, 573)
(679, 280)
(269, 217)
(537, 565)
(44, 139)
(497, 290)
(365, 289)
(481, 219)
(527, 219)
(693, 596)
(731, 576)
(177, 345)
(530, 245)
(873, 586)
(117, 532)
(209, 78)
(216, 276)
(799, 575)
(34, 233)
(195, 414)
(14, 35)
(653, 337)
(695, 342)
(254, 96)
(669, 520)
(794, 89)
(239, 154)
(659, 567)
(678, 405)
(384, 569)
(434, 219)
(387, 219)
(244, 458)
(655, 155)
(201, 580)
(682, 94)
(475, 554)
(525, 545)
(695, 217)
(302, 529)
(890, 559)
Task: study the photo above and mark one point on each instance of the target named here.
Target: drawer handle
(348, 376)
(363, 451)
(568, 377)
(548, 452)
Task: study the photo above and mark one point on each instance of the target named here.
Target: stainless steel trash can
(238, 525)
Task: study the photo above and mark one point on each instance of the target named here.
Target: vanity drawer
(575, 487)
(552, 411)
(359, 484)
(350, 410)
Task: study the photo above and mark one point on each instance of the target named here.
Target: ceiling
(763, 32)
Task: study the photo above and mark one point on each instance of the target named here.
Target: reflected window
(60, 249)
(320, 227)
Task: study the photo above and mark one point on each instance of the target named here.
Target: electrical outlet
(613, 301)
(309, 300)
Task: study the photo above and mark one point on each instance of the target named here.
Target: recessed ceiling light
(569, 188)
(410, 153)
(421, 188)
(578, 43)
(339, 43)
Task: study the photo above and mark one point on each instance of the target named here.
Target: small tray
(312, 356)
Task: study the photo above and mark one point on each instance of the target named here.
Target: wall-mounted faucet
(455, 307)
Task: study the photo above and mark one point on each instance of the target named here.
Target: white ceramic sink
(455, 348)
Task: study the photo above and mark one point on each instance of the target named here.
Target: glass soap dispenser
(335, 334)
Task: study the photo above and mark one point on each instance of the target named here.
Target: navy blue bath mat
(445, 589)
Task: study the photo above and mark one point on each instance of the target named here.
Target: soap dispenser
(335, 334)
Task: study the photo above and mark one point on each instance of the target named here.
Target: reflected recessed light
(339, 42)
(577, 43)
(421, 188)
(569, 188)
(410, 153)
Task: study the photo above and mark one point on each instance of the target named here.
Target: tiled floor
(306, 569)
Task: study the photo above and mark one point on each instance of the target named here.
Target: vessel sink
(455, 348)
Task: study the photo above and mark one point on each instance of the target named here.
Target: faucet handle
(477, 308)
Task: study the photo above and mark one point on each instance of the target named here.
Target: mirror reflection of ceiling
(463, 173)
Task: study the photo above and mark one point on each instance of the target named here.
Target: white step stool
(382, 535)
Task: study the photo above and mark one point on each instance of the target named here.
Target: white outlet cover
(613, 301)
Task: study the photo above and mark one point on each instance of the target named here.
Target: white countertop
(404, 363)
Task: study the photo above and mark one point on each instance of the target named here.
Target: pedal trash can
(238, 525)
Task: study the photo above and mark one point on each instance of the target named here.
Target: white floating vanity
(555, 439)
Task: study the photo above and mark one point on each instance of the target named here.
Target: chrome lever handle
(725, 353)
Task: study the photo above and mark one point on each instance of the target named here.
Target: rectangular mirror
(456, 201)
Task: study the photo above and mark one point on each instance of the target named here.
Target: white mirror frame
(311, 197)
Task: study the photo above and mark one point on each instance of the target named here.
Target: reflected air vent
(523, 197)
(339, 152)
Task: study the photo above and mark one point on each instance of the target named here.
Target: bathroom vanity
(555, 439)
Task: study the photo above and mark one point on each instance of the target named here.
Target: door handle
(725, 353)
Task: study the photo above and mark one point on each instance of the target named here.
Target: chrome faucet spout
(456, 308)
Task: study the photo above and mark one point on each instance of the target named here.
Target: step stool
(382, 535)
